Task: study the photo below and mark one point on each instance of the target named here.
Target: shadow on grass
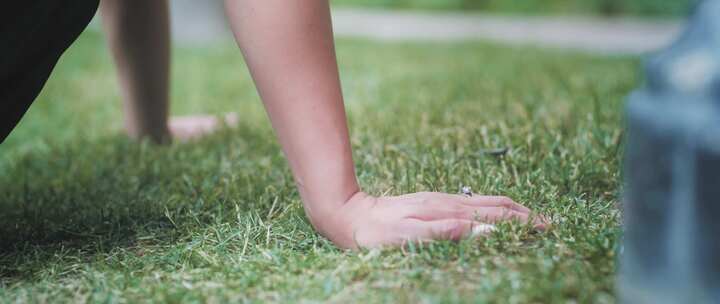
(70, 195)
(98, 195)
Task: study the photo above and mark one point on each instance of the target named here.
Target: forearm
(288, 46)
(139, 37)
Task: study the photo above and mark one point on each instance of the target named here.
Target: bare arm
(289, 48)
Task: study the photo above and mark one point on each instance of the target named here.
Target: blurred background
(607, 26)
(430, 87)
(204, 43)
(655, 8)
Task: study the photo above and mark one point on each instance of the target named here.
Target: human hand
(365, 221)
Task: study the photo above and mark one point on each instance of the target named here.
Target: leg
(138, 33)
(33, 36)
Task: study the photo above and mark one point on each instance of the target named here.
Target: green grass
(652, 8)
(88, 215)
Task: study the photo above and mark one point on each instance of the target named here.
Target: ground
(88, 215)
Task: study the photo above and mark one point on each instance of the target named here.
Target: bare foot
(187, 128)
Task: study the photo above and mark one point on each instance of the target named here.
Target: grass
(648, 8)
(90, 216)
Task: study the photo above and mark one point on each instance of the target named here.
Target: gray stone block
(671, 203)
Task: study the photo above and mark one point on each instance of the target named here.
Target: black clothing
(33, 35)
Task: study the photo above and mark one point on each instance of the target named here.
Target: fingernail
(482, 229)
(544, 221)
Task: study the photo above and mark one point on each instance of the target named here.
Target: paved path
(202, 22)
(609, 36)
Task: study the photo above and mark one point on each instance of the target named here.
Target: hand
(365, 221)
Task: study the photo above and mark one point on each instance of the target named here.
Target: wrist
(337, 221)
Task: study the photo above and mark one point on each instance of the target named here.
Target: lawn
(88, 215)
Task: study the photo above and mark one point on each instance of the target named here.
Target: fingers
(450, 208)
(475, 200)
(448, 229)
(498, 201)
(541, 222)
(435, 216)
(538, 221)
(435, 206)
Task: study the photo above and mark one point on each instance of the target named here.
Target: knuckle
(506, 202)
(455, 229)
